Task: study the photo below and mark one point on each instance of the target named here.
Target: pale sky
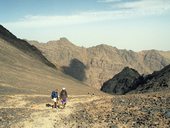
(125, 24)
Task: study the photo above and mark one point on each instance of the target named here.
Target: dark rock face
(122, 82)
(159, 80)
(129, 80)
(23, 46)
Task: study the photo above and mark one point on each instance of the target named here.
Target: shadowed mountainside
(102, 62)
(76, 69)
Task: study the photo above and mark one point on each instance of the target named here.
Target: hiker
(63, 96)
(54, 97)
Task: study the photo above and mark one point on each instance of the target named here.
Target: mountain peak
(127, 72)
(128, 69)
(105, 46)
(62, 41)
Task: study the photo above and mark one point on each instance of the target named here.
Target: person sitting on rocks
(63, 96)
(54, 97)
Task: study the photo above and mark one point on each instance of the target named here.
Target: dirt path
(42, 116)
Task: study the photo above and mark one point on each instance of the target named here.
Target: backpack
(53, 94)
(63, 94)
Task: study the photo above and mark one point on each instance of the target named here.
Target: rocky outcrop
(122, 82)
(102, 62)
(157, 81)
(129, 80)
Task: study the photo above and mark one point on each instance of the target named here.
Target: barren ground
(86, 111)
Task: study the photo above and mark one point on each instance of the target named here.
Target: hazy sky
(125, 24)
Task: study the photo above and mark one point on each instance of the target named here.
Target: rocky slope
(129, 80)
(159, 80)
(23, 46)
(24, 70)
(98, 64)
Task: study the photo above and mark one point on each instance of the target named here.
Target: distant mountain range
(42, 65)
(97, 64)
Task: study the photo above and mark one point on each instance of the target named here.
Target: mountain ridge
(23, 46)
(103, 61)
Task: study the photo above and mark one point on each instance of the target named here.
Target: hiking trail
(43, 116)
